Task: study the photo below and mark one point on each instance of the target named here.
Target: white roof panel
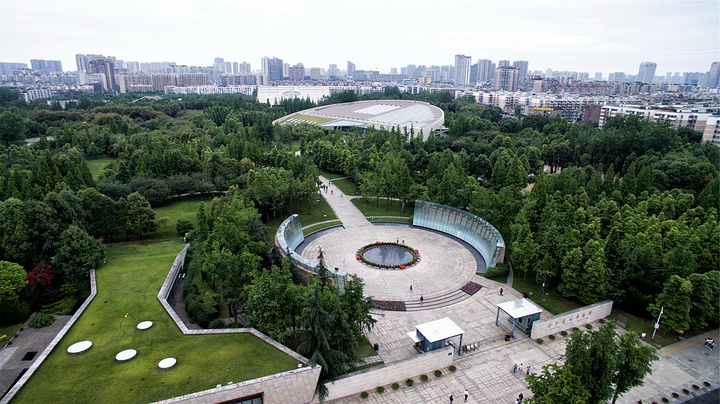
(519, 308)
(439, 329)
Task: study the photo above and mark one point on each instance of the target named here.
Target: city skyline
(591, 36)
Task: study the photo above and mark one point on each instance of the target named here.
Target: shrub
(588, 326)
(409, 382)
(675, 395)
(686, 391)
(183, 226)
(364, 394)
(552, 337)
(380, 389)
(42, 320)
(498, 273)
(423, 378)
(563, 333)
(61, 307)
(217, 323)
(438, 373)
(452, 368)
(696, 387)
(540, 340)
(601, 321)
(707, 384)
(395, 386)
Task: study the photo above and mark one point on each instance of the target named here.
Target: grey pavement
(486, 373)
(13, 361)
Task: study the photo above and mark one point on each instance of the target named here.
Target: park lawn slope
(127, 294)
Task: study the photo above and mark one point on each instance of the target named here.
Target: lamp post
(542, 291)
(657, 324)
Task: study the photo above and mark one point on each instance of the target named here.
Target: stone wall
(371, 378)
(291, 387)
(574, 318)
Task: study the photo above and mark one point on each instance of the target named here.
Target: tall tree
(78, 254)
(557, 384)
(676, 304)
(593, 357)
(140, 216)
(316, 329)
(634, 361)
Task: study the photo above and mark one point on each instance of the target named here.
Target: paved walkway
(446, 266)
(13, 359)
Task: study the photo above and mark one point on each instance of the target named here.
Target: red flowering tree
(41, 275)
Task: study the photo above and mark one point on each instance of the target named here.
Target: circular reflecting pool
(388, 255)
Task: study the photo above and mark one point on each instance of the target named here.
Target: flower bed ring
(414, 254)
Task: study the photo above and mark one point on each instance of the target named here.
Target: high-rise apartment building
(315, 73)
(462, 70)
(83, 62)
(522, 67)
(503, 63)
(333, 71)
(297, 72)
(485, 70)
(598, 76)
(272, 68)
(410, 69)
(350, 68)
(506, 79)
(46, 66)
(713, 80)
(646, 73)
(244, 68)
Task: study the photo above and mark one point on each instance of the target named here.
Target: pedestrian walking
(466, 394)
(421, 299)
(343, 261)
(528, 371)
(451, 398)
(403, 240)
(501, 291)
(514, 369)
(519, 399)
(397, 240)
(411, 288)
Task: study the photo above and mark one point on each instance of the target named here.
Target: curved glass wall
(477, 232)
(289, 235)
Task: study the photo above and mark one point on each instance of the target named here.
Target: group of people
(710, 343)
(517, 368)
(519, 400)
(465, 393)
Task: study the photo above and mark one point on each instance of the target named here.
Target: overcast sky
(580, 35)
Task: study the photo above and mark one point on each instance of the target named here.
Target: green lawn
(331, 176)
(347, 185)
(186, 207)
(127, 290)
(368, 207)
(319, 213)
(314, 228)
(554, 303)
(96, 164)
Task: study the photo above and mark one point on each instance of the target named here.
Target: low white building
(277, 94)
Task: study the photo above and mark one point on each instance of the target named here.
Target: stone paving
(35, 340)
(486, 373)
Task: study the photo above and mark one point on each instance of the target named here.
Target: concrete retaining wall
(574, 318)
(294, 386)
(382, 375)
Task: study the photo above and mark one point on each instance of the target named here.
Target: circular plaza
(446, 263)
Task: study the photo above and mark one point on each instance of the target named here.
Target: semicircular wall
(474, 230)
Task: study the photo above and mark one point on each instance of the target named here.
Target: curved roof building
(403, 115)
